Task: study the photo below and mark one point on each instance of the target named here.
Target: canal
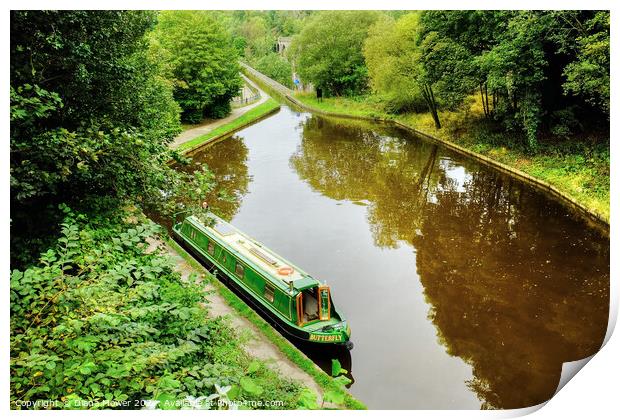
(464, 288)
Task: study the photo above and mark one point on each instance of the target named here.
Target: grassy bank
(578, 166)
(325, 381)
(247, 118)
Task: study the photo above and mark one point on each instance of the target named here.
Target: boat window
(324, 303)
(192, 234)
(211, 248)
(239, 271)
(269, 293)
(223, 257)
(310, 305)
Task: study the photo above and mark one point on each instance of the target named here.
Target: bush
(101, 320)
(402, 102)
(276, 67)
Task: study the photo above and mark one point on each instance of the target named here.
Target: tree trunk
(432, 105)
(484, 107)
(486, 98)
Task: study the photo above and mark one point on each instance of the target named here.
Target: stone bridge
(282, 44)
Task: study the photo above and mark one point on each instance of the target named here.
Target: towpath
(210, 125)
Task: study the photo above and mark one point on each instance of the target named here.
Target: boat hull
(289, 330)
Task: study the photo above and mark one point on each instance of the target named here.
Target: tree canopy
(91, 118)
(201, 62)
(89, 113)
(392, 58)
(328, 50)
(533, 70)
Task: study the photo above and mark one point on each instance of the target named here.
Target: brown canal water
(464, 288)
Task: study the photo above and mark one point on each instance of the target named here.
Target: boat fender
(285, 271)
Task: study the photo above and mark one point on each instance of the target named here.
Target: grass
(359, 106)
(324, 380)
(578, 166)
(243, 120)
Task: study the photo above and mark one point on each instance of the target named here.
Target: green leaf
(250, 386)
(334, 396)
(95, 388)
(166, 401)
(254, 366)
(168, 382)
(342, 380)
(337, 368)
(234, 393)
(50, 365)
(308, 399)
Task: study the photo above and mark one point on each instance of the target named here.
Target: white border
(593, 394)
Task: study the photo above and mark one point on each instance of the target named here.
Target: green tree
(445, 73)
(259, 39)
(89, 115)
(276, 67)
(392, 58)
(201, 62)
(476, 31)
(328, 51)
(535, 70)
(518, 66)
(410, 64)
(588, 75)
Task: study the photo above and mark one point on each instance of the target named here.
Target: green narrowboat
(298, 303)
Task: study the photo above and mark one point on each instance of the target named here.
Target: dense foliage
(534, 71)
(276, 67)
(391, 58)
(88, 111)
(255, 34)
(200, 61)
(90, 116)
(328, 51)
(104, 320)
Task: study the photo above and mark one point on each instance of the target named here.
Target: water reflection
(350, 161)
(229, 165)
(516, 287)
(464, 288)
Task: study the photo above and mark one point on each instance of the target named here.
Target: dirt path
(257, 346)
(198, 131)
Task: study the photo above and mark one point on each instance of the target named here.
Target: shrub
(101, 320)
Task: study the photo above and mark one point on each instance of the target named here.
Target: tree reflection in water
(227, 160)
(516, 285)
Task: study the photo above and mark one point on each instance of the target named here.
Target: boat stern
(338, 333)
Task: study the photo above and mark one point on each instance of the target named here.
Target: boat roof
(257, 253)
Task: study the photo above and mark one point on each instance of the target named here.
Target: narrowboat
(298, 303)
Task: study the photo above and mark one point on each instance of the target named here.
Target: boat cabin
(294, 294)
